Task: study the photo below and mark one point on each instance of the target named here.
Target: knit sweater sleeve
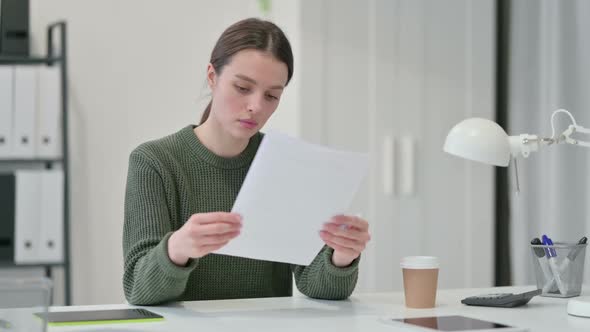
(150, 277)
(322, 280)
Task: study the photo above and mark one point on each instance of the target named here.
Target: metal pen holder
(559, 268)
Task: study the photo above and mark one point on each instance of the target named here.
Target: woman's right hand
(202, 234)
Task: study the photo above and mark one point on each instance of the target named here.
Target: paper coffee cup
(420, 280)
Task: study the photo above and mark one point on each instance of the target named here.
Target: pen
(562, 268)
(540, 253)
(572, 255)
(551, 254)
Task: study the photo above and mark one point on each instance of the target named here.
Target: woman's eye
(242, 89)
(272, 97)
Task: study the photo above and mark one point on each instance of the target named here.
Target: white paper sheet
(291, 190)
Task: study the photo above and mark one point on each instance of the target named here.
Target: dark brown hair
(251, 33)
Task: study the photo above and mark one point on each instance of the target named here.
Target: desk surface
(362, 312)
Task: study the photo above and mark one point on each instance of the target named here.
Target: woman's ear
(211, 76)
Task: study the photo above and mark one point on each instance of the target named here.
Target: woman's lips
(249, 123)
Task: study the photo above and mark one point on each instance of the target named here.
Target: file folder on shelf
(6, 110)
(25, 111)
(39, 212)
(49, 143)
(27, 215)
(52, 207)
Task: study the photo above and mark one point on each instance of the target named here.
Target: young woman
(180, 187)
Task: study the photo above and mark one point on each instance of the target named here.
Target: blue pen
(540, 253)
(548, 287)
(551, 254)
(564, 265)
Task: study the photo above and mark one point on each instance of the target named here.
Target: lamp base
(579, 306)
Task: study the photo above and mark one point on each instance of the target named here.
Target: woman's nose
(255, 104)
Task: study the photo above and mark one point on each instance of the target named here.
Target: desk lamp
(485, 141)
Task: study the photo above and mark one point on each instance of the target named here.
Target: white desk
(362, 312)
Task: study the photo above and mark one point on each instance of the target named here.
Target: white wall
(399, 71)
(136, 72)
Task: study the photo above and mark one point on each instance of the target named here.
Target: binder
(7, 187)
(27, 215)
(6, 110)
(14, 27)
(49, 143)
(25, 109)
(51, 220)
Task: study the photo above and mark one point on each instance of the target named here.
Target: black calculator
(505, 300)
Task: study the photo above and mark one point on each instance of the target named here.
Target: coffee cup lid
(419, 262)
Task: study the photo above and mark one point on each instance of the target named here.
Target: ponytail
(205, 115)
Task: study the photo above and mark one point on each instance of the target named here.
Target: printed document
(292, 188)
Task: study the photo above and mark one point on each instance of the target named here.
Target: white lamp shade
(480, 140)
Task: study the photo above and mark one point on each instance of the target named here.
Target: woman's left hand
(348, 236)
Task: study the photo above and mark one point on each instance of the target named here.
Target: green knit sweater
(171, 179)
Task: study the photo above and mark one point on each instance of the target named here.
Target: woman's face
(247, 91)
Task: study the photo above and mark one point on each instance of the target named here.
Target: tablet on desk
(100, 317)
(451, 324)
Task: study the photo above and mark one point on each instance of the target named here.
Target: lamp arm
(566, 135)
(524, 144)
